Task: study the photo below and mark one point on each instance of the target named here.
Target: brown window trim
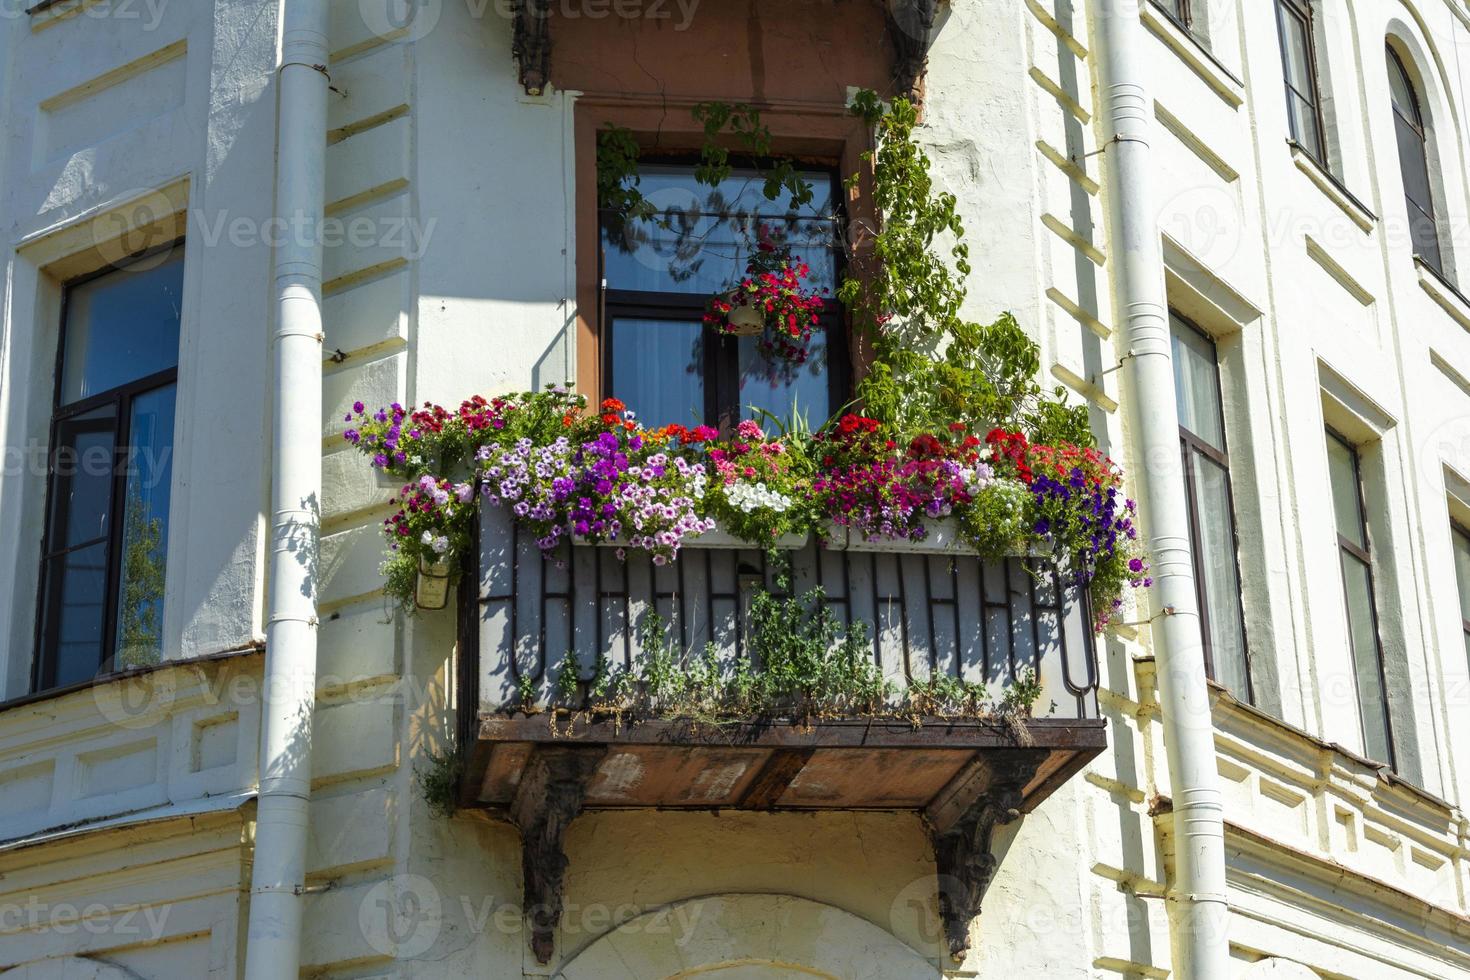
(1303, 10)
(820, 133)
(719, 368)
(1364, 555)
(1189, 442)
(1456, 528)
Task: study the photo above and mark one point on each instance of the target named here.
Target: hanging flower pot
(743, 320)
(432, 589)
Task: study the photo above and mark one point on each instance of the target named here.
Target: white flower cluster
(977, 478)
(749, 497)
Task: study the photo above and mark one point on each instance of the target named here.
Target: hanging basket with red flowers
(772, 301)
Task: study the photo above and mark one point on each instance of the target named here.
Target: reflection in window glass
(145, 530)
(663, 271)
(658, 369)
(122, 327)
(103, 568)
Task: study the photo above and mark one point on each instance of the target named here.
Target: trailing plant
(1079, 510)
(906, 290)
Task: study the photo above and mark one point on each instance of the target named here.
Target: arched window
(1409, 124)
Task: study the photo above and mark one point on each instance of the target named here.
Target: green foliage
(998, 522)
(400, 571)
(526, 690)
(802, 664)
(809, 664)
(779, 173)
(140, 629)
(618, 153)
(907, 281)
(617, 176)
(933, 366)
(438, 782)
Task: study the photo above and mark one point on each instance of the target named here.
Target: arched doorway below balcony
(749, 937)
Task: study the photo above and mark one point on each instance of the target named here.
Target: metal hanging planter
(743, 320)
(431, 591)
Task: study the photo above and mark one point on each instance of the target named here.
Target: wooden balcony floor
(937, 766)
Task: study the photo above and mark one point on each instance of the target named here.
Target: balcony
(931, 609)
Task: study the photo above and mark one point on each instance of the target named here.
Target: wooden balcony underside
(937, 766)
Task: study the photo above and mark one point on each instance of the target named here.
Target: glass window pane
(145, 531)
(788, 391)
(702, 236)
(1342, 467)
(1401, 89)
(122, 326)
(1296, 48)
(1414, 165)
(1221, 584)
(1197, 384)
(1363, 637)
(1461, 543)
(1304, 126)
(658, 369)
(81, 470)
(76, 599)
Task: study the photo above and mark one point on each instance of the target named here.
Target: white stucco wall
(462, 281)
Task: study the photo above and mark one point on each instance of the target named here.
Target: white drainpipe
(1201, 913)
(273, 942)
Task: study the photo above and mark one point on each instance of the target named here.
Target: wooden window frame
(1460, 530)
(825, 136)
(1421, 131)
(1184, 19)
(44, 664)
(1190, 443)
(1348, 548)
(1304, 12)
(721, 369)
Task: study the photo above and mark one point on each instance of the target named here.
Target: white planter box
(944, 538)
(718, 539)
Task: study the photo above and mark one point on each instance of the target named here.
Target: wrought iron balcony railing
(928, 608)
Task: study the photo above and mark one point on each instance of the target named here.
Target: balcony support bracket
(550, 796)
(963, 855)
(911, 26)
(531, 44)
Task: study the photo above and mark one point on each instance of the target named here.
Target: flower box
(717, 538)
(944, 538)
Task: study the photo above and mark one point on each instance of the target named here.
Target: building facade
(1311, 170)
